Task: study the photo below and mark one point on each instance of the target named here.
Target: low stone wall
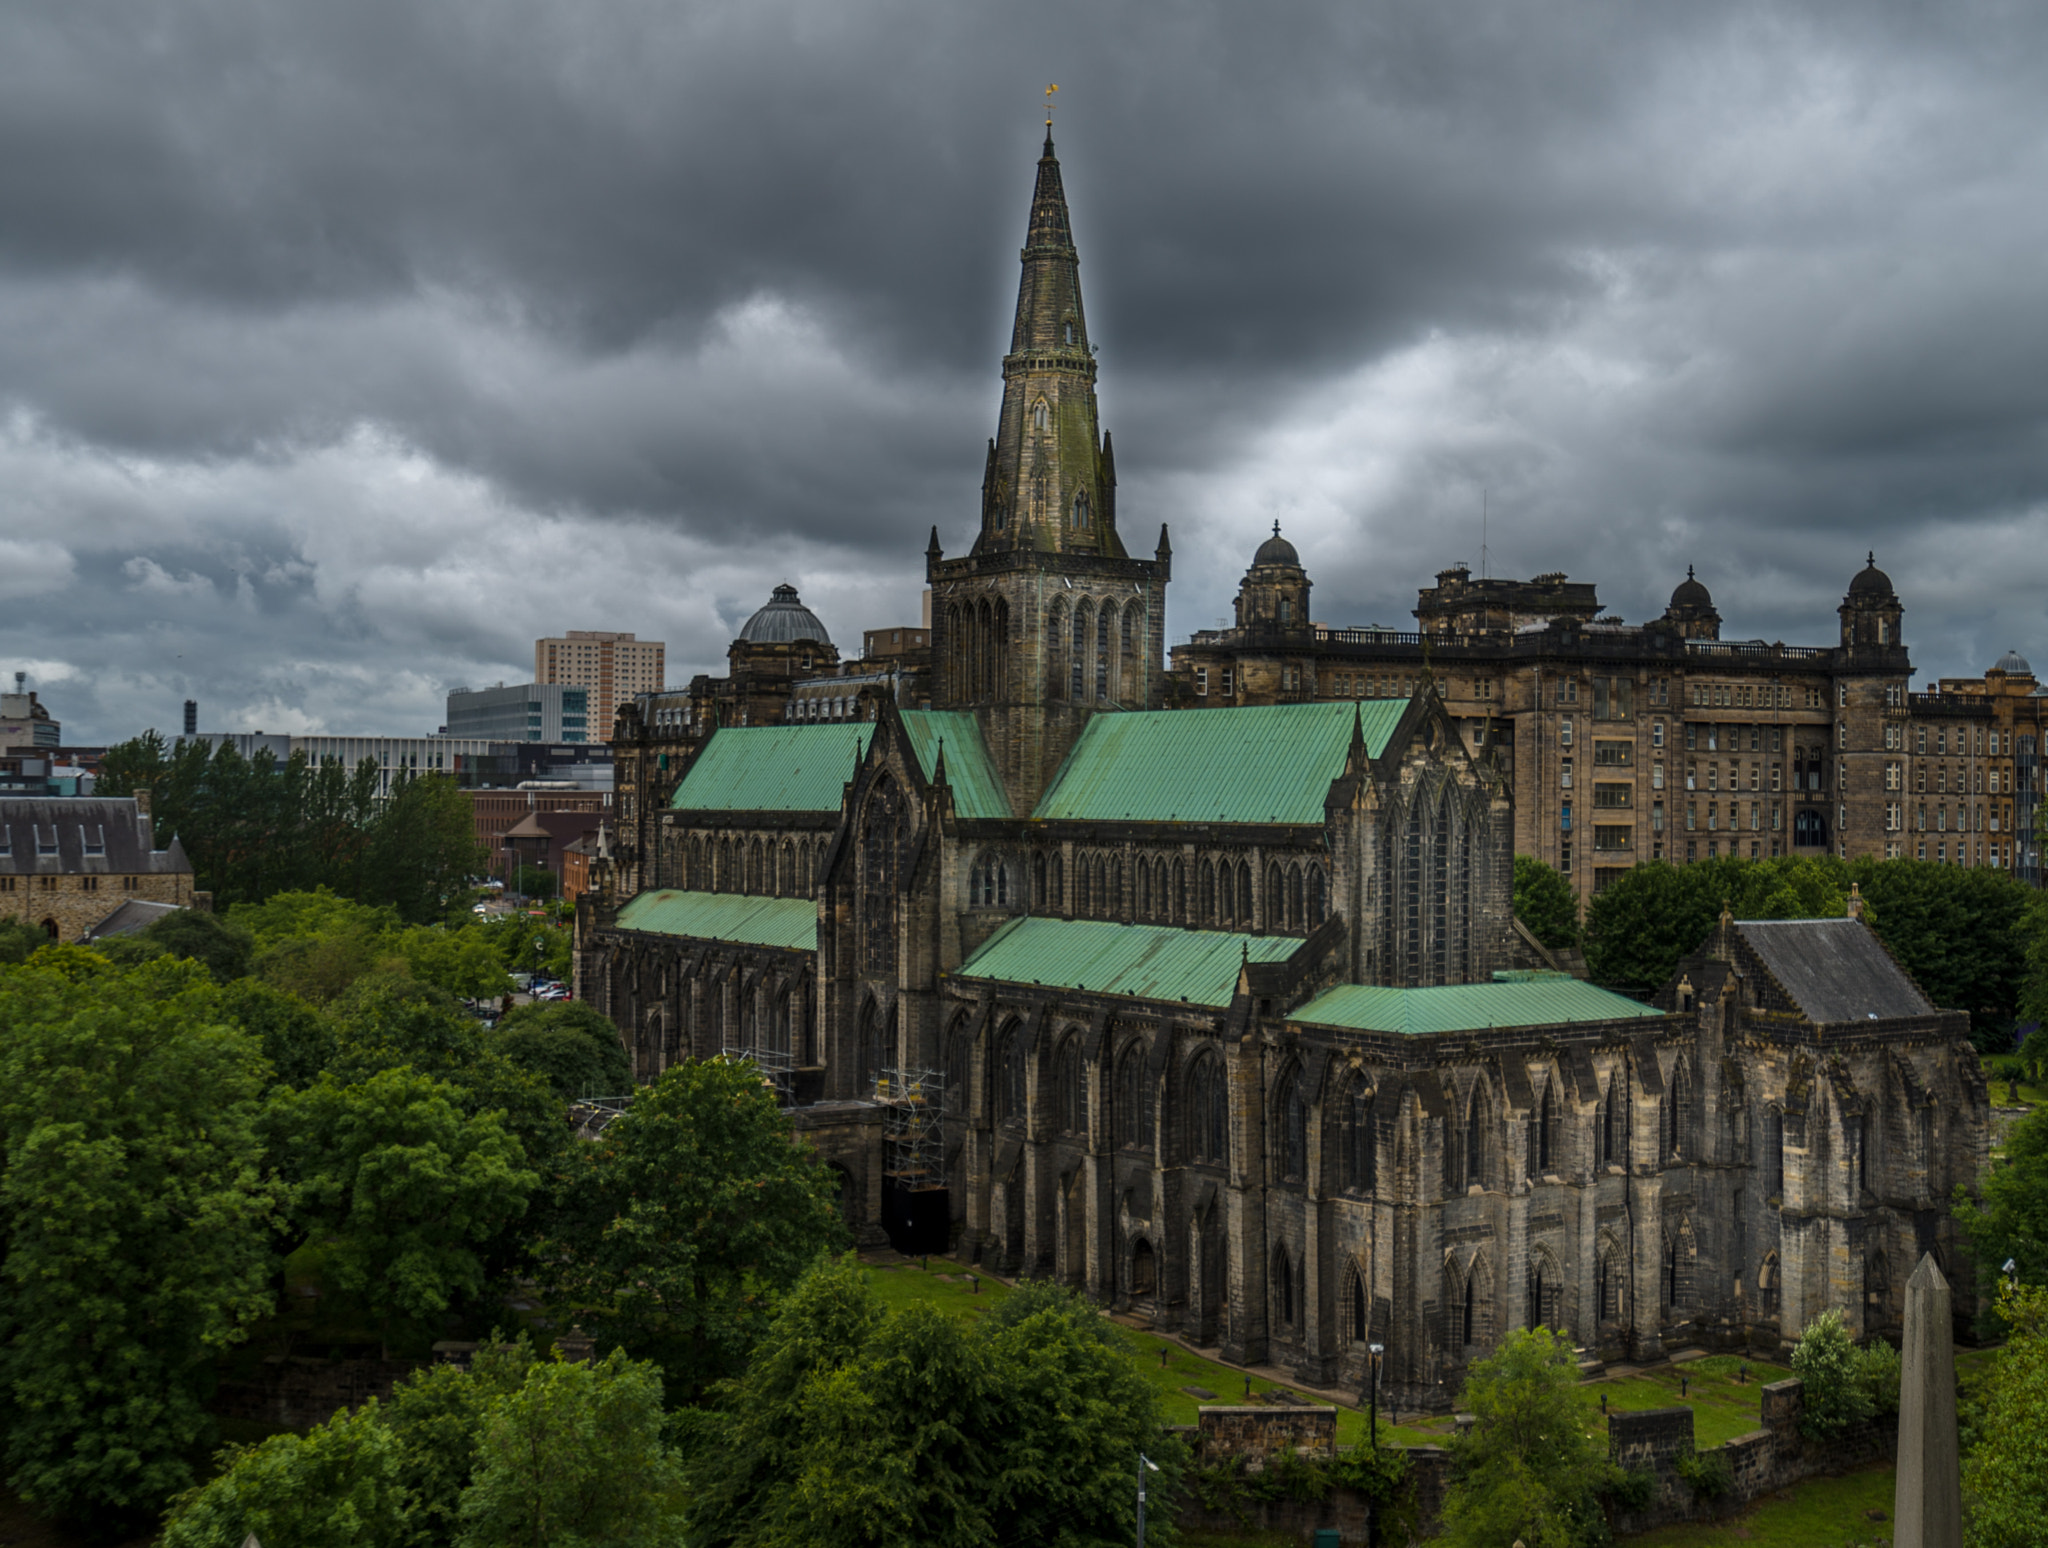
(2003, 1120)
(1254, 1432)
(1759, 1463)
(1345, 1510)
(302, 1392)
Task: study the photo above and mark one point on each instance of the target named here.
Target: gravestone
(1928, 1501)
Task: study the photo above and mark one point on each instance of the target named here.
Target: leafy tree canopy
(685, 1217)
(2009, 1216)
(399, 1185)
(136, 1224)
(1826, 1360)
(2005, 1479)
(337, 1486)
(1546, 903)
(574, 1048)
(1529, 1467)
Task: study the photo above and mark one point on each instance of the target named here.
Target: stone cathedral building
(1212, 1012)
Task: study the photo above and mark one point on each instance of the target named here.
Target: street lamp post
(540, 952)
(1144, 1462)
(1373, 1353)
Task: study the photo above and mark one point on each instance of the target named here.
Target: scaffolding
(914, 1102)
(590, 1116)
(777, 1067)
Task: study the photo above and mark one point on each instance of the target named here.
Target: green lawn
(1722, 1408)
(1820, 1513)
(945, 1285)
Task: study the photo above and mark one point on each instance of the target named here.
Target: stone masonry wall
(1250, 1431)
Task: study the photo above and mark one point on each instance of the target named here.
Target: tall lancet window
(1041, 417)
(1081, 509)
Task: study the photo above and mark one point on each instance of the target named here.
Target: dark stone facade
(1289, 1191)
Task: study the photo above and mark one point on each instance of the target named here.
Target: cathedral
(1220, 1014)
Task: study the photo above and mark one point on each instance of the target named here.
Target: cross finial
(1276, 529)
(1688, 569)
(1048, 109)
(1873, 558)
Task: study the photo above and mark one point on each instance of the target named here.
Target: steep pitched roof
(1834, 969)
(794, 768)
(1148, 962)
(131, 918)
(977, 792)
(1263, 763)
(74, 835)
(725, 916)
(1526, 1000)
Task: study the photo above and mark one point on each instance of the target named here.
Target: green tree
(2009, 1216)
(2005, 1478)
(339, 1485)
(400, 1186)
(574, 1048)
(136, 1226)
(1529, 1467)
(1546, 903)
(19, 940)
(463, 962)
(1826, 1360)
(297, 1040)
(685, 1218)
(423, 849)
(575, 1459)
(206, 938)
(437, 1415)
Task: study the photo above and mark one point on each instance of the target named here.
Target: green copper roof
(1265, 763)
(1148, 962)
(976, 790)
(773, 769)
(1527, 1000)
(725, 916)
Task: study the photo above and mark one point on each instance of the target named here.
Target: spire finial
(1048, 116)
(1688, 568)
(1873, 558)
(1276, 529)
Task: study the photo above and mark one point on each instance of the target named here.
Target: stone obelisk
(1928, 1502)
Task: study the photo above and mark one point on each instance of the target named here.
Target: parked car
(552, 992)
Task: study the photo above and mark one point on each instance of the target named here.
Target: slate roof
(1150, 962)
(788, 768)
(1834, 969)
(1525, 1000)
(977, 792)
(131, 918)
(81, 836)
(724, 916)
(1259, 763)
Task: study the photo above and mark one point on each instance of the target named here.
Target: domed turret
(1275, 589)
(1691, 592)
(1692, 609)
(1870, 581)
(2013, 664)
(1872, 617)
(1276, 550)
(784, 621)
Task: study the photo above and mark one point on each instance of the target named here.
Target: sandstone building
(67, 863)
(1212, 1010)
(1663, 741)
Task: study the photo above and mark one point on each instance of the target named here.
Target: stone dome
(2013, 664)
(1277, 550)
(1691, 593)
(784, 621)
(1870, 581)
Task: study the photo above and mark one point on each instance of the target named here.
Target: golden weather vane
(1048, 105)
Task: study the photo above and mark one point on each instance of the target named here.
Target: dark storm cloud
(345, 348)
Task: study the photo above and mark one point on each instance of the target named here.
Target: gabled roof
(1834, 969)
(977, 792)
(793, 768)
(1150, 962)
(1528, 1000)
(725, 916)
(1258, 763)
(74, 835)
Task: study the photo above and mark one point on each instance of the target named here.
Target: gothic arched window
(1103, 625)
(1293, 1157)
(1072, 1094)
(1359, 1150)
(1081, 509)
(1056, 650)
(1078, 672)
(1011, 1057)
(1208, 1119)
(1132, 1114)
(1041, 416)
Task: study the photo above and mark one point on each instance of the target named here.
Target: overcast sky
(344, 348)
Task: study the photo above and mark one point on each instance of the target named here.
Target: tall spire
(1048, 485)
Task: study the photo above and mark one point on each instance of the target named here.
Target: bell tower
(1046, 619)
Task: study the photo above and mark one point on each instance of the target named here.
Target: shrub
(1877, 1372)
(1706, 1473)
(1829, 1365)
(1631, 1490)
